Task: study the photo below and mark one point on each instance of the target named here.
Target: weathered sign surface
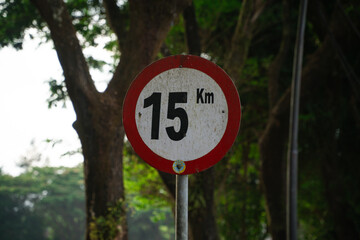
(182, 114)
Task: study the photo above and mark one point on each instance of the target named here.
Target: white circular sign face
(181, 114)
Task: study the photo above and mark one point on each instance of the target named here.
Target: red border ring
(200, 64)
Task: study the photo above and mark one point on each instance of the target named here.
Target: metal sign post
(181, 215)
(182, 107)
(292, 168)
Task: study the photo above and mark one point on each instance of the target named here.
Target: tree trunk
(102, 135)
(273, 167)
(99, 115)
(272, 143)
(201, 206)
(242, 37)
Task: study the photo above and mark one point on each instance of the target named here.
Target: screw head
(179, 166)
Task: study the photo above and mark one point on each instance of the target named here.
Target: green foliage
(145, 188)
(43, 203)
(148, 202)
(49, 203)
(240, 203)
(217, 21)
(58, 93)
(212, 14)
(15, 18)
(94, 63)
(253, 73)
(175, 40)
(18, 220)
(88, 19)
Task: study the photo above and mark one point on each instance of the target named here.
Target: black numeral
(172, 113)
(177, 97)
(155, 100)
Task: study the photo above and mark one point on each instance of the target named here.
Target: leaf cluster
(15, 18)
(43, 203)
(147, 199)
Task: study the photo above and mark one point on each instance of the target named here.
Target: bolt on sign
(182, 114)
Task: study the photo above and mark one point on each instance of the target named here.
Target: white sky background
(24, 113)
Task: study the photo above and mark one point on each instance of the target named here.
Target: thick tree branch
(240, 44)
(149, 23)
(77, 77)
(191, 30)
(277, 63)
(116, 21)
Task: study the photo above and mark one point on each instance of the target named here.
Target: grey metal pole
(181, 216)
(292, 166)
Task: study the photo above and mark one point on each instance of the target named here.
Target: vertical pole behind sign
(181, 215)
(292, 169)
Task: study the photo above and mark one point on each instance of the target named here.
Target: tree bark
(241, 40)
(276, 65)
(193, 40)
(272, 143)
(201, 206)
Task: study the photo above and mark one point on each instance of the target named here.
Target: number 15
(172, 113)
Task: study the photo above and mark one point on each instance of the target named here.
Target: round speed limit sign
(182, 114)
